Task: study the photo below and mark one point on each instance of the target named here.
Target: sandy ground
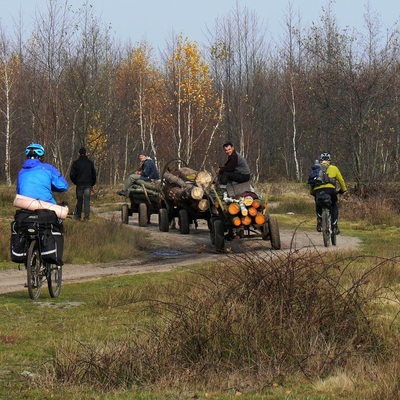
(174, 250)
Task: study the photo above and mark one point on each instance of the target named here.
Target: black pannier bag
(323, 199)
(51, 233)
(23, 219)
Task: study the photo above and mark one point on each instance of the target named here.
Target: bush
(260, 318)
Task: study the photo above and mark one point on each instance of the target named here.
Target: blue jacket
(149, 170)
(38, 180)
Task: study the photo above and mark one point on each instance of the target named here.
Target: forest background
(71, 83)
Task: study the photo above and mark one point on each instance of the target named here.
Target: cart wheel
(219, 239)
(163, 220)
(143, 217)
(265, 231)
(125, 213)
(184, 222)
(274, 233)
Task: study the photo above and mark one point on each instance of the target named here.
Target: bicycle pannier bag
(323, 199)
(23, 219)
(51, 237)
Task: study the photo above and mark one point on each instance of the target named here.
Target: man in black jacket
(235, 169)
(83, 175)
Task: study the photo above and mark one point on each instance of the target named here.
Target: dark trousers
(334, 209)
(226, 177)
(83, 200)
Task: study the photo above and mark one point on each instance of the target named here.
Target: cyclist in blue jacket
(37, 179)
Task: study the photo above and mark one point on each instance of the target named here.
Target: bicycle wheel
(333, 233)
(326, 231)
(54, 279)
(34, 270)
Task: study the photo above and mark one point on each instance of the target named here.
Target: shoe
(76, 217)
(86, 219)
(319, 226)
(336, 230)
(124, 193)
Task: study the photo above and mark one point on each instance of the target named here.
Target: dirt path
(173, 250)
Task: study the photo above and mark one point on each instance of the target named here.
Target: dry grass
(251, 321)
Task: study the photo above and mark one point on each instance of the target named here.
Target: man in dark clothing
(235, 169)
(83, 175)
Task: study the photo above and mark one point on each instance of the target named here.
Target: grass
(100, 240)
(303, 326)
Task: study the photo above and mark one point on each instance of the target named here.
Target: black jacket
(83, 172)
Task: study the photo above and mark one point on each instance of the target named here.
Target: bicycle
(37, 269)
(323, 199)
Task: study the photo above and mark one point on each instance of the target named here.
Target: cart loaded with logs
(145, 199)
(238, 212)
(183, 196)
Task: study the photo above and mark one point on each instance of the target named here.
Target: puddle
(167, 253)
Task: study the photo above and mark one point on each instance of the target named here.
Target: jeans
(130, 180)
(83, 199)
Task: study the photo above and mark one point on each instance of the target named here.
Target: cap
(82, 151)
(142, 153)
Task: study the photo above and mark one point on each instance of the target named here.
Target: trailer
(183, 196)
(238, 212)
(144, 199)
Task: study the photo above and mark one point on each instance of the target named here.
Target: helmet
(325, 157)
(34, 150)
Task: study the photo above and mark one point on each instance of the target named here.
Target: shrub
(258, 317)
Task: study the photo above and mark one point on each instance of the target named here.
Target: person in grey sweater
(235, 169)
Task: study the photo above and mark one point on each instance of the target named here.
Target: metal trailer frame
(221, 222)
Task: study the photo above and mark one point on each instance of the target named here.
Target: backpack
(319, 175)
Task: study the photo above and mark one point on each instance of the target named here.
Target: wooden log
(256, 203)
(203, 205)
(179, 195)
(203, 179)
(176, 180)
(248, 201)
(148, 184)
(176, 194)
(197, 193)
(236, 221)
(187, 174)
(246, 220)
(137, 191)
(260, 219)
(243, 209)
(233, 208)
(253, 211)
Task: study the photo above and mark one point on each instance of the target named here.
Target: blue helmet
(34, 150)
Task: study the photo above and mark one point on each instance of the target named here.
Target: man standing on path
(83, 175)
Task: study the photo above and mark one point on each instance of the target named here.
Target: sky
(157, 20)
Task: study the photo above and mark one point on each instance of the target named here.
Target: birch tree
(9, 76)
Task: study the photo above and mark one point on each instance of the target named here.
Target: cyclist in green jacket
(329, 187)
